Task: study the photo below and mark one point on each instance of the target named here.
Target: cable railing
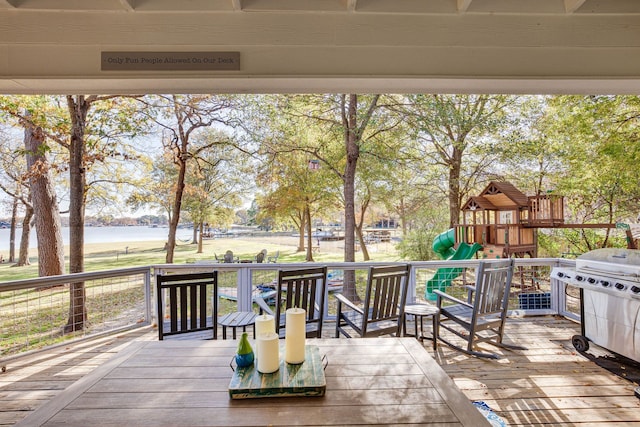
(37, 313)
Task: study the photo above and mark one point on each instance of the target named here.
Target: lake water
(102, 235)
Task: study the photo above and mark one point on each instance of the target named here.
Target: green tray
(305, 379)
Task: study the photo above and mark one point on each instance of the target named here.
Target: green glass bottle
(244, 355)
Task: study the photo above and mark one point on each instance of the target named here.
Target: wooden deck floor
(547, 384)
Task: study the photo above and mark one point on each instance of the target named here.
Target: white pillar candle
(295, 335)
(265, 324)
(268, 353)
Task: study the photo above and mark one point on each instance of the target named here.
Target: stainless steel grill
(609, 282)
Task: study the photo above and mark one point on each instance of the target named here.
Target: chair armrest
(470, 290)
(441, 295)
(264, 307)
(344, 300)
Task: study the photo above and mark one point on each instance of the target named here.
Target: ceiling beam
(127, 5)
(571, 6)
(463, 5)
(7, 4)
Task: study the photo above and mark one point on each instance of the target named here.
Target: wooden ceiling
(446, 46)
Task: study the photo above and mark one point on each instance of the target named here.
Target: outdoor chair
(260, 257)
(274, 258)
(191, 305)
(218, 259)
(229, 258)
(382, 309)
(303, 288)
(481, 318)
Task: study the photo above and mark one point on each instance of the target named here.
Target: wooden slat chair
(481, 318)
(188, 297)
(383, 305)
(303, 288)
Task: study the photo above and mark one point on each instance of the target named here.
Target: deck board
(549, 384)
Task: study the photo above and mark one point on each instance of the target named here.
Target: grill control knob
(620, 286)
(591, 280)
(605, 283)
(579, 278)
(635, 289)
(561, 274)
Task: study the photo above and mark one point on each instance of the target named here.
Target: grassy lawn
(108, 256)
(37, 318)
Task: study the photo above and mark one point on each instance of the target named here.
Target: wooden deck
(548, 384)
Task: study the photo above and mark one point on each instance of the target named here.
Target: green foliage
(426, 224)
(416, 245)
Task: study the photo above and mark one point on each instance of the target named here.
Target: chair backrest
(187, 296)
(228, 257)
(273, 258)
(303, 288)
(493, 282)
(386, 294)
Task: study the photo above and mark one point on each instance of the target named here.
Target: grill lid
(620, 256)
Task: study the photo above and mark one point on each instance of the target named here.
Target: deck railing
(34, 312)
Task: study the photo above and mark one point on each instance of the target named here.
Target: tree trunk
(307, 215)
(301, 228)
(177, 206)
(353, 152)
(78, 110)
(359, 224)
(45, 203)
(23, 255)
(363, 245)
(454, 187)
(196, 228)
(200, 240)
(12, 231)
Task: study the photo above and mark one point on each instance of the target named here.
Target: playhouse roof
(478, 203)
(503, 194)
(498, 195)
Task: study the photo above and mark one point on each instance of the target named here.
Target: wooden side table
(236, 320)
(419, 311)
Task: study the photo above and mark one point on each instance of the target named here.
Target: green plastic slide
(443, 246)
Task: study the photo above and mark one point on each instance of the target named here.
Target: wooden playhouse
(505, 221)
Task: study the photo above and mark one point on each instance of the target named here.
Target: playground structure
(502, 222)
(505, 221)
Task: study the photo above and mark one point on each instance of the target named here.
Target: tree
(216, 182)
(342, 132)
(158, 190)
(531, 155)
(111, 121)
(602, 131)
(180, 117)
(294, 190)
(450, 126)
(295, 187)
(15, 183)
(45, 203)
(88, 129)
